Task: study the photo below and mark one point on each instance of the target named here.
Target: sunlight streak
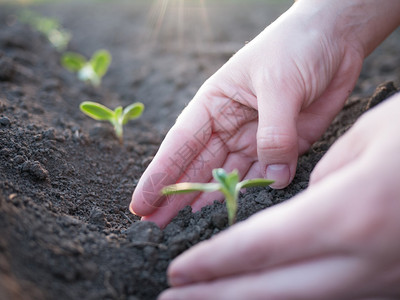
(178, 23)
(161, 15)
(204, 16)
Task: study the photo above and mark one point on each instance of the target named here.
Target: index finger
(185, 155)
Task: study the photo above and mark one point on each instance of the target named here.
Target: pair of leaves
(227, 183)
(118, 117)
(92, 70)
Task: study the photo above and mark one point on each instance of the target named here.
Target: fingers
(372, 131)
(242, 160)
(213, 131)
(234, 161)
(344, 151)
(161, 209)
(174, 203)
(271, 238)
(277, 140)
(308, 280)
(253, 172)
(307, 241)
(364, 184)
(181, 147)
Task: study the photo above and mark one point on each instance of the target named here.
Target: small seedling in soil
(227, 183)
(117, 117)
(92, 70)
(50, 27)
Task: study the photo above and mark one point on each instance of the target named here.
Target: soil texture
(65, 181)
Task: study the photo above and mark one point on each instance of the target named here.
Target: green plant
(91, 70)
(49, 27)
(227, 183)
(117, 117)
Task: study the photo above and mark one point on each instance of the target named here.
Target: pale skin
(284, 88)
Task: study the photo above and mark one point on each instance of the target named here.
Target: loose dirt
(66, 182)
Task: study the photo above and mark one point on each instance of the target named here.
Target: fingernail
(280, 174)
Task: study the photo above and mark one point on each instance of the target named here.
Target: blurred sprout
(49, 27)
(89, 71)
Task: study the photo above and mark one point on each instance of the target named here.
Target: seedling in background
(49, 27)
(227, 183)
(117, 117)
(89, 71)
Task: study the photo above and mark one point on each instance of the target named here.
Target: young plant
(117, 117)
(49, 27)
(227, 183)
(91, 70)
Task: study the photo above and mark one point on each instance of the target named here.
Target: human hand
(337, 240)
(262, 109)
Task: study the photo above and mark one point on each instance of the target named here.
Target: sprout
(49, 27)
(117, 118)
(89, 71)
(227, 183)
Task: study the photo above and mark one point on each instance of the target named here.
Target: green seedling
(227, 183)
(91, 70)
(49, 27)
(117, 117)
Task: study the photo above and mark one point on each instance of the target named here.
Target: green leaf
(227, 183)
(228, 180)
(232, 179)
(100, 62)
(73, 61)
(117, 112)
(132, 111)
(255, 182)
(97, 111)
(188, 187)
(219, 174)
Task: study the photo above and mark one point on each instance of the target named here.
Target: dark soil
(66, 182)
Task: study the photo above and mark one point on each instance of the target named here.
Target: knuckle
(272, 140)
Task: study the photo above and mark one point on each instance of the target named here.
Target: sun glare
(174, 21)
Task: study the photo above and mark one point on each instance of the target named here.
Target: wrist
(361, 24)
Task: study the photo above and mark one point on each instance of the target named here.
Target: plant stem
(119, 132)
(231, 205)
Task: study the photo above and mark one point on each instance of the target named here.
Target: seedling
(227, 183)
(49, 27)
(91, 70)
(117, 117)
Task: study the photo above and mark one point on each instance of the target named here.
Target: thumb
(277, 140)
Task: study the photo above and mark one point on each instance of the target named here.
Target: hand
(262, 109)
(337, 240)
